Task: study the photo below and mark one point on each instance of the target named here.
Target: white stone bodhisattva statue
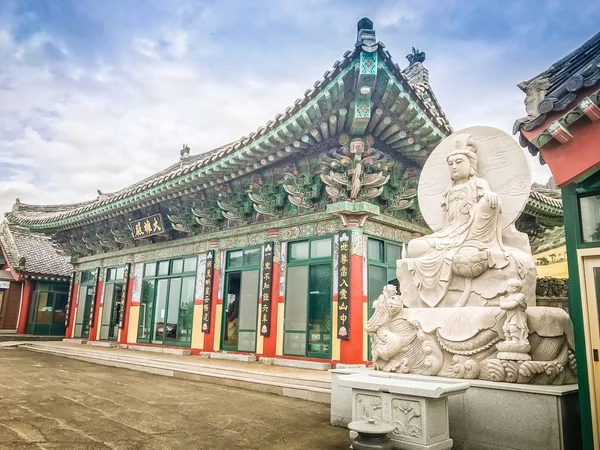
(466, 307)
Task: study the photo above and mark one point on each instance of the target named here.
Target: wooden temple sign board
(147, 226)
(265, 290)
(121, 310)
(343, 303)
(208, 279)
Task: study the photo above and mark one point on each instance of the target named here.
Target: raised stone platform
(164, 350)
(299, 364)
(102, 343)
(493, 415)
(75, 341)
(229, 356)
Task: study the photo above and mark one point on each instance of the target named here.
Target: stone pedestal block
(492, 415)
(418, 409)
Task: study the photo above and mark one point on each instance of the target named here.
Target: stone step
(164, 350)
(257, 381)
(102, 343)
(252, 370)
(75, 341)
(229, 356)
(300, 364)
(6, 337)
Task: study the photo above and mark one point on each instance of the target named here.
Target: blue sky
(97, 94)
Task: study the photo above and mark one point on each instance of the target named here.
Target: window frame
(169, 276)
(226, 273)
(308, 263)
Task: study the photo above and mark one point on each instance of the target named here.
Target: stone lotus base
(492, 415)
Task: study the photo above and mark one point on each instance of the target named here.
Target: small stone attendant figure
(515, 327)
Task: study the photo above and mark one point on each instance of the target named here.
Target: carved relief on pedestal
(406, 415)
(368, 407)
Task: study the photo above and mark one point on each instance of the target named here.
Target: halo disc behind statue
(501, 162)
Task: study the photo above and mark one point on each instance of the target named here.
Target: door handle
(595, 351)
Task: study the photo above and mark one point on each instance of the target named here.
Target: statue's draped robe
(470, 223)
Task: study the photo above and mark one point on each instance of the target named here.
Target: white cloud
(72, 122)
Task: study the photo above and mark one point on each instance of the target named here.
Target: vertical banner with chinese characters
(265, 290)
(69, 298)
(94, 290)
(208, 279)
(343, 304)
(121, 306)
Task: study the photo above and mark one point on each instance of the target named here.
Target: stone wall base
(495, 416)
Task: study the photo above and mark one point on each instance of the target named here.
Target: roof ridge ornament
(365, 35)
(416, 56)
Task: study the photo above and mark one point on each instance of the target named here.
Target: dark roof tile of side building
(32, 254)
(557, 87)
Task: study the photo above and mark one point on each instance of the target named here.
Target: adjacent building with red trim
(34, 282)
(562, 126)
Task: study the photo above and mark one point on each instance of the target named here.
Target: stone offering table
(417, 408)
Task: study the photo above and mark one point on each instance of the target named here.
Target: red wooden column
(351, 350)
(28, 286)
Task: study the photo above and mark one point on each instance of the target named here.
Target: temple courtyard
(49, 402)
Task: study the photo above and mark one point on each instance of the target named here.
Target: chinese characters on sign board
(343, 305)
(121, 307)
(148, 226)
(265, 290)
(208, 278)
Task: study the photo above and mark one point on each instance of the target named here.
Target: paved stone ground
(48, 402)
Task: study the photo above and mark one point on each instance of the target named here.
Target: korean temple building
(276, 245)
(34, 283)
(562, 127)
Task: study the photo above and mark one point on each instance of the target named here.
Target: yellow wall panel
(280, 315)
(335, 341)
(197, 335)
(218, 318)
(260, 340)
(99, 322)
(134, 318)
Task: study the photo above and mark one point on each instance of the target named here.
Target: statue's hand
(492, 199)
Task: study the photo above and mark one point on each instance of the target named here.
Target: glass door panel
(113, 328)
(146, 310)
(232, 310)
(60, 313)
(106, 310)
(592, 295)
(248, 311)
(377, 281)
(186, 311)
(319, 311)
(160, 311)
(296, 308)
(173, 311)
(82, 318)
